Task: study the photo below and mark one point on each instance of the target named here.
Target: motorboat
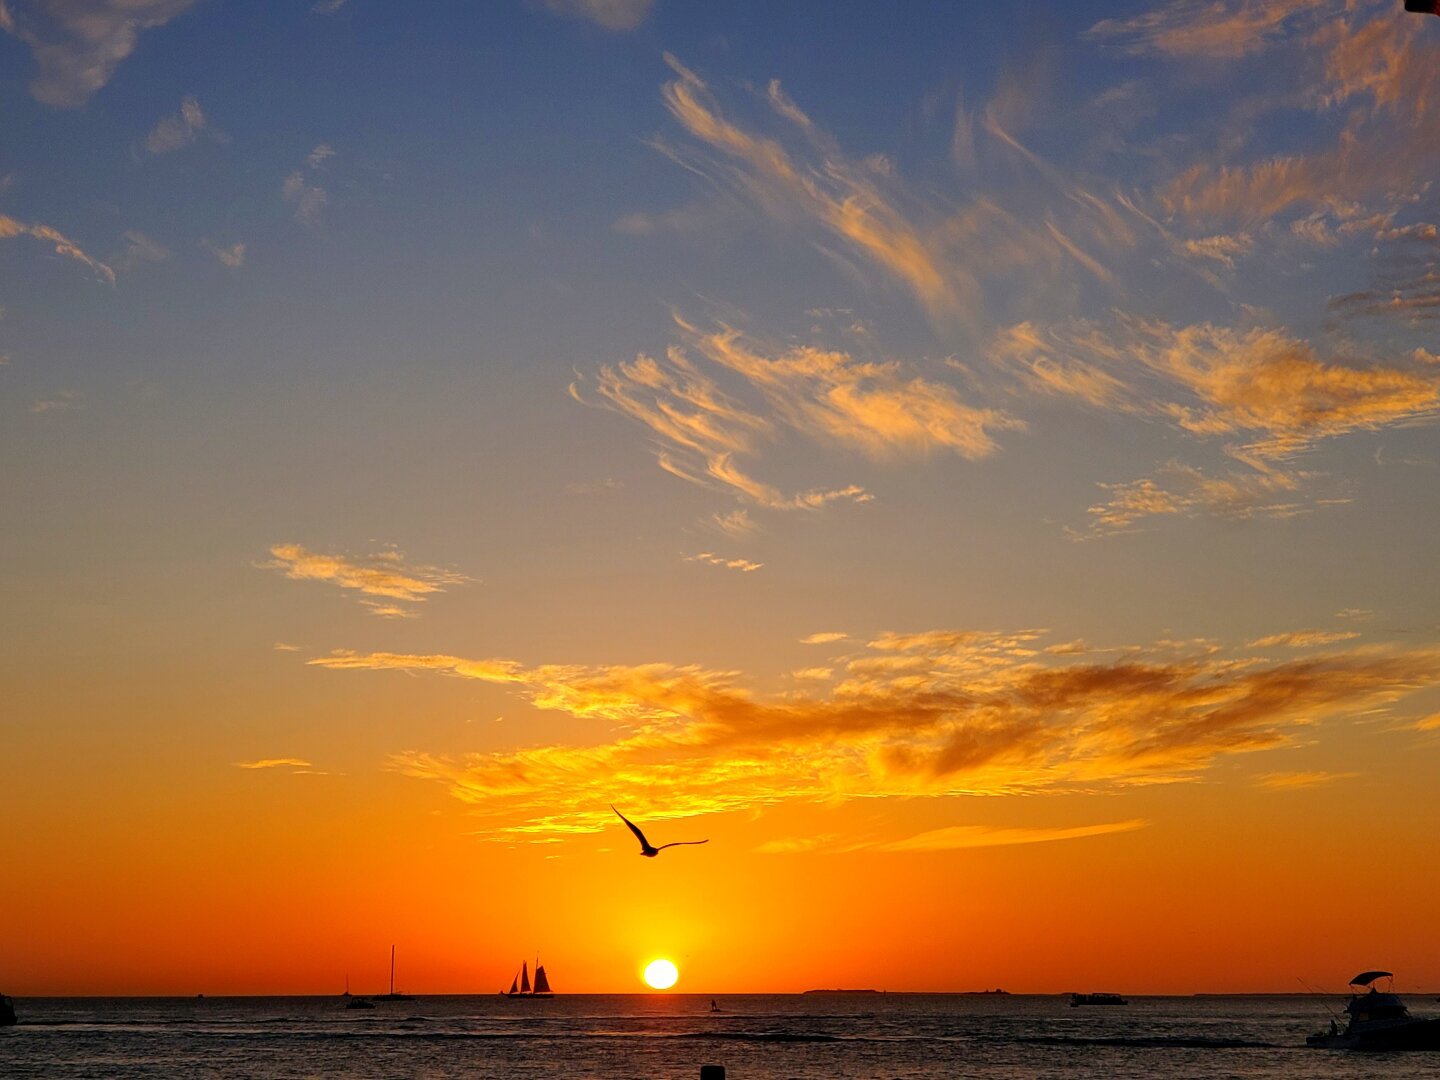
(1377, 1020)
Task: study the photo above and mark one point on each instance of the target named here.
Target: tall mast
(392, 970)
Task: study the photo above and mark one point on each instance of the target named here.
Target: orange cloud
(1197, 28)
(383, 574)
(943, 713)
(703, 432)
(1262, 386)
(843, 197)
(1304, 639)
(9, 227)
(273, 763)
(1294, 781)
(1384, 71)
(973, 836)
(875, 408)
(743, 565)
(953, 838)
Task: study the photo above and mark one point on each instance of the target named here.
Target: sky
(975, 465)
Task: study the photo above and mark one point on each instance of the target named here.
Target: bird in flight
(648, 849)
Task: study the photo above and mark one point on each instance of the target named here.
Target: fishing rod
(1323, 994)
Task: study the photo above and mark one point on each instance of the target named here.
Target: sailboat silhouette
(520, 984)
(392, 995)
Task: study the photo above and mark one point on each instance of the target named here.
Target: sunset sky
(976, 464)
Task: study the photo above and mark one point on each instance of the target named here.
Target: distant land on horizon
(1431, 995)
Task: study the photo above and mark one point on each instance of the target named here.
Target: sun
(661, 974)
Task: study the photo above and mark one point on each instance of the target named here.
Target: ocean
(669, 1037)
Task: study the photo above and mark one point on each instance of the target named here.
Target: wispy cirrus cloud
(711, 559)
(704, 433)
(863, 214)
(274, 763)
(1381, 69)
(139, 250)
(1304, 639)
(1270, 395)
(735, 523)
(950, 838)
(611, 14)
(1212, 28)
(62, 244)
(934, 713)
(384, 574)
(1297, 781)
(61, 401)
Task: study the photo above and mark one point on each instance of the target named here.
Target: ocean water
(660, 1037)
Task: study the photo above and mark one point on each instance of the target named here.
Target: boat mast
(392, 970)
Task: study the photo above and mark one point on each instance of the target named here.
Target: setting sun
(661, 974)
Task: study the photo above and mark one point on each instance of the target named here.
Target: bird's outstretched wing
(644, 844)
(677, 843)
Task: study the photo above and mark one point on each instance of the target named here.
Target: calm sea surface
(640, 1037)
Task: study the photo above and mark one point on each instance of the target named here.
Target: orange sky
(976, 467)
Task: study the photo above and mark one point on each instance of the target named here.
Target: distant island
(833, 992)
(977, 993)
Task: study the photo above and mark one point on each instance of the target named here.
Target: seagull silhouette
(648, 849)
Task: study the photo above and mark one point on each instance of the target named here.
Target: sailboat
(392, 995)
(520, 984)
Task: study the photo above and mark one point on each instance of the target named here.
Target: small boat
(1378, 1020)
(520, 985)
(392, 995)
(1077, 1000)
(7, 1011)
(359, 1003)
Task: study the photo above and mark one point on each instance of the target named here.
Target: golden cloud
(702, 432)
(1204, 27)
(1384, 71)
(843, 197)
(273, 763)
(710, 558)
(952, 838)
(973, 836)
(384, 574)
(962, 715)
(64, 246)
(1262, 386)
(1304, 639)
(867, 217)
(1295, 781)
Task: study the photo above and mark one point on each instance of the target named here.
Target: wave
(1143, 1042)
